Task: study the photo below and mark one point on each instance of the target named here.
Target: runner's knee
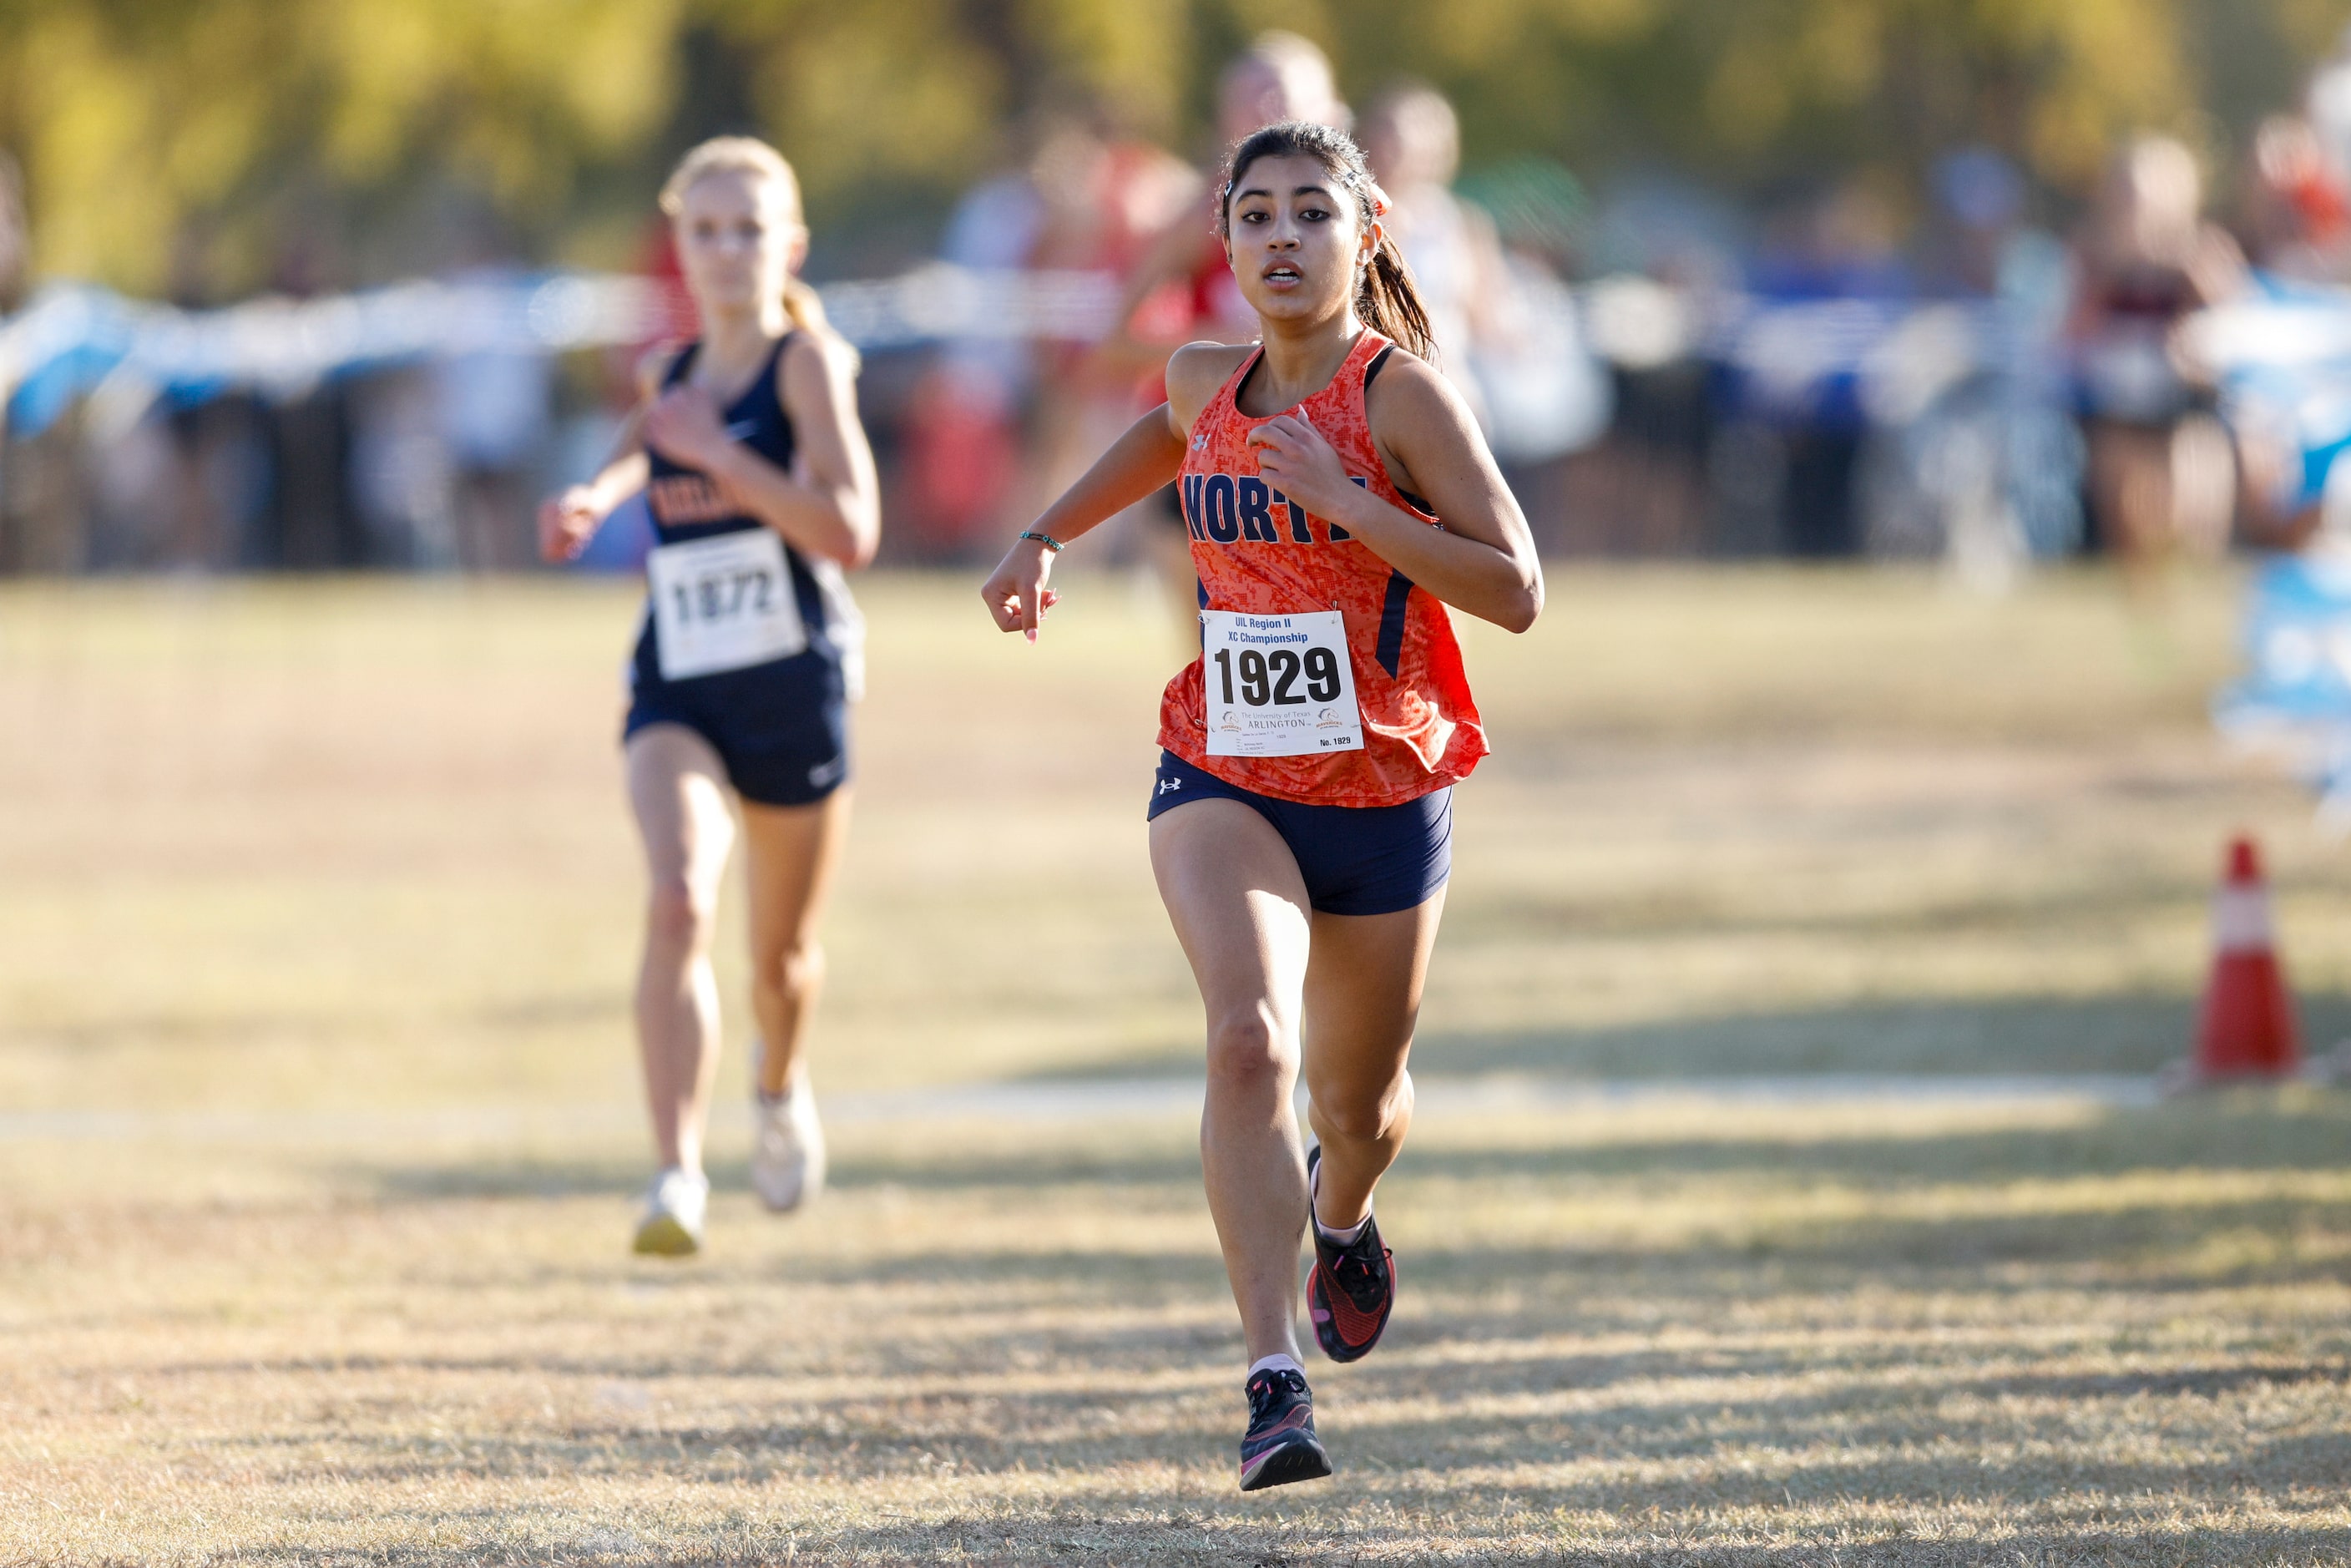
(793, 974)
(1363, 1116)
(678, 914)
(1248, 1051)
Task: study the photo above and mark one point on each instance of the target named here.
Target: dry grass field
(317, 1147)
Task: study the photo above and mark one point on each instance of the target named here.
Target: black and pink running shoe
(1281, 1445)
(1353, 1288)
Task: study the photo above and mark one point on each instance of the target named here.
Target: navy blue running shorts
(1355, 860)
(781, 730)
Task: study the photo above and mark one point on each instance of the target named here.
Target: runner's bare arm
(1148, 455)
(1483, 559)
(1138, 463)
(570, 518)
(628, 470)
(1151, 452)
(619, 478)
(829, 506)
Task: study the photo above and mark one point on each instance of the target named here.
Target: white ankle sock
(1346, 1238)
(1276, 1361)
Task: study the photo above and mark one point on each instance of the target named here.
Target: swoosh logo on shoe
(1300, 1420)
(1354, 1324)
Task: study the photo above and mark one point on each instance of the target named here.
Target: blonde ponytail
(804, 306)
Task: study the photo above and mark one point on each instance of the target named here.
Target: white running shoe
(674, 1207)
(788, 1157)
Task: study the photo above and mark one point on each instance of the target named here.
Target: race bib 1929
(1279, 685)
(723, 603)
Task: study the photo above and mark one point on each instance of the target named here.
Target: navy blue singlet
(781, 727)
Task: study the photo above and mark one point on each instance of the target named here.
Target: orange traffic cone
(2247, 1030)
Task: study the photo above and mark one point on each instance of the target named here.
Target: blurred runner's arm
(1482, 560)
(1170, 259)
(569, 519)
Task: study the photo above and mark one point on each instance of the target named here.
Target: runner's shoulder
(654, 364)
(1197, 370)
(819, 349)
(1408, 388)
(1401, 369)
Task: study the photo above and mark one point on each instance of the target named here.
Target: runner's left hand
(1016, 594)
(566, 523)
(1296, 460)
(684, 426)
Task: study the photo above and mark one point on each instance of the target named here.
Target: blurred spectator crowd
(1835, 371)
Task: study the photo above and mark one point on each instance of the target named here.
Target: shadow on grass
(2024, 1036)
(1988, 1212)
(1442, 1489)
(2252, 1132)
(474, 1178)
(2014, 1038)
(1532, 1445)
(1263, 1539)
(1846, 1427)
(1692, 913)
(1256, 1541)
(2243, 1133)
(1932, 1437)
(533, 1176)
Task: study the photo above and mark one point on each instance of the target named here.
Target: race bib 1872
(1279, 685)
(723, 603)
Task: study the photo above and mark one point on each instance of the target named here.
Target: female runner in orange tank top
(1338, 498)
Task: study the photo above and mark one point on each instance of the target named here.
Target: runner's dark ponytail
(1385, 297)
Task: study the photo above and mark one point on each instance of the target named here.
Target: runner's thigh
(1239, 907)
(789, 855)
(1363, 993)
(678, 790)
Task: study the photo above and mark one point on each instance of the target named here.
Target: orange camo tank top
(1258, 552)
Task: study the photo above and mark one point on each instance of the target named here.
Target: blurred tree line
(206, 148)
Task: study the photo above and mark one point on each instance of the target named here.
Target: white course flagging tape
(1088, 1100)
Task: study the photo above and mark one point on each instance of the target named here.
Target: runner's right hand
(1017, 595)
(566, 523)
